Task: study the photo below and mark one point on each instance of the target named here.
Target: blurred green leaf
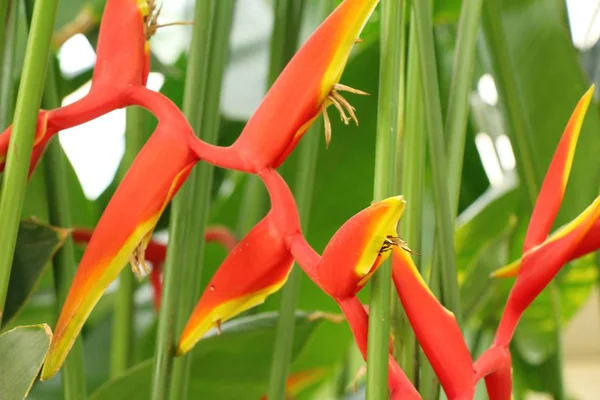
(23, 351)
(233, 365)
(36, 244)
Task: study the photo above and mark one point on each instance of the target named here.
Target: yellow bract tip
(509, 271)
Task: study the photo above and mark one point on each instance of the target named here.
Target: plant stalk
(204, 106)
(64, 267)
(210, 43)
(445, 270)
(413, 176)
(7, 61)
(24, 126)
(388, 129)
(286, 31)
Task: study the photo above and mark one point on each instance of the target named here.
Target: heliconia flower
(305, 88)
(435, 328)
(542, 260)
(124, 230)
(358, 248)
(257, 267)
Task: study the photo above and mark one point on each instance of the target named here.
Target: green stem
(122, 327)
(284, 41)
(458, 99)
(308, 151)
(6, 6)
(24, 125)
(205, 106)
(8, 61)
(288, 15)
(445, 270)
(189, 215)
(64, 267)
(388, 129)
(413, 176)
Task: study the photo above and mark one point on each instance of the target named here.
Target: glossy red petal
(435, 327)
(540, 266)
(153, 179)
(257, 267)
(355, 251)
(297, 96)
(555, 183)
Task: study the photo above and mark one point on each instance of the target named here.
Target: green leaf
(227, 366)
(23, 351)
(36, 244)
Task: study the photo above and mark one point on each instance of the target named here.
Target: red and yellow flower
(305, 88)
(257, 267)
(359, 247)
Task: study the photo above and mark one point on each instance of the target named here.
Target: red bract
(542, 260)
(358, 248)
(435, 327)
(305, 88)
(123, 231)
(258, 266)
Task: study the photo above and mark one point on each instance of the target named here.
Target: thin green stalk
(520, 132)
(24, 124)
(121, 352)
(8, 61)
(413, 176)
(284, 41)
(446, 269)
(5, 10)
(178, 225)
(308, 151)
(388, 128)
(288, 14)
(209, 47)
(205, 107)
(64, 267)
(458, 100)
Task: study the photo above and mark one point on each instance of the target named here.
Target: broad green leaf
(227, 366)
(23, 351)
(36, 244)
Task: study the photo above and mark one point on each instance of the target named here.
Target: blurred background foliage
(528, 77)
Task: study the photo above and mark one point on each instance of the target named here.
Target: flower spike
(126, 225)
(435, 327)
(540, 267)
(358, 248)
(257, 267)
(555, 183)
(307, 85)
